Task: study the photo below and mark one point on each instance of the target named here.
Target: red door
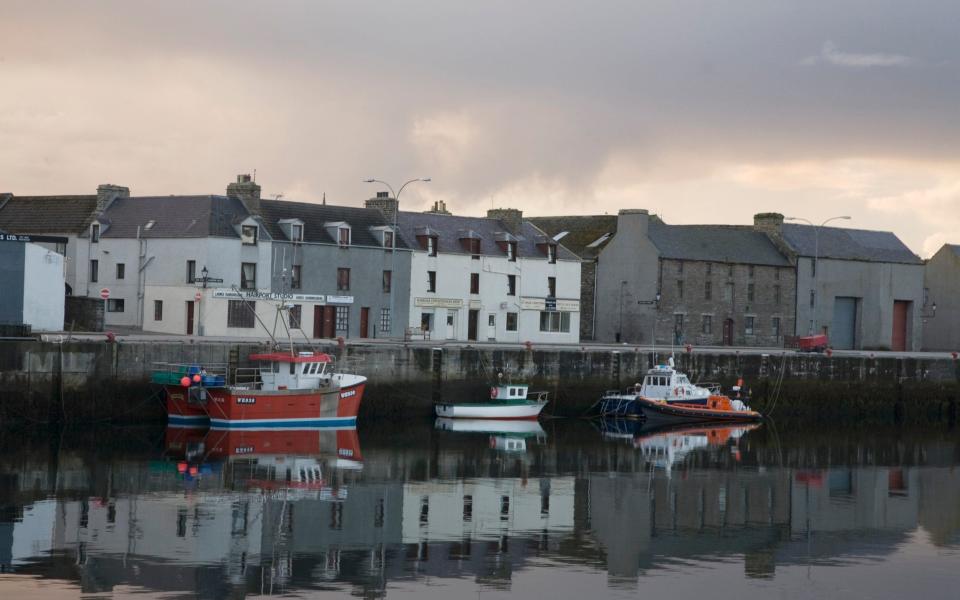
(190, 317)
(728, 332)
(364, 318)
(328, 319)
(317, 321)
(899, 340)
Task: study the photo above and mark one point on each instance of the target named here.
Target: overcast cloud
(703, 111)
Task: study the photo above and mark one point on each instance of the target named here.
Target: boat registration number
(246, 400)
(348, 393)
(345, 452)
(243, 450)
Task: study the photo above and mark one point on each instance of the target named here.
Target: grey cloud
(830, 54)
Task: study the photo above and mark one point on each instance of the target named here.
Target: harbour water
(419, 509)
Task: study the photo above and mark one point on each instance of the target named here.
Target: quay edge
(93, 381)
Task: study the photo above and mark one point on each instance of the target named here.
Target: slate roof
(955, 248)
(315, 215)
(848, 244)
(47, 214)
(174, 217)
(583, 231)
(450, 227)
(716, 243)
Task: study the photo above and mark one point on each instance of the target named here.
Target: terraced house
(495, 278)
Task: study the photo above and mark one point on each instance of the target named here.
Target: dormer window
(474, 244)
(432, 245)
(552, 253)
(512, 251)
(296, 232)
(95, 233)
(248, 235)
(343, 236)
(388, 240)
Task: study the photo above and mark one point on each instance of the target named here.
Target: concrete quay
(86, 379)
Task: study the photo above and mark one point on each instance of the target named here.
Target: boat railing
(539, 397)
(247, 377)
(170, 373)
(713, 388)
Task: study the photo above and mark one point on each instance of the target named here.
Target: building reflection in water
(228, 514)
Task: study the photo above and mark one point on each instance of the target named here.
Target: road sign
(198, 296)
(105, 293)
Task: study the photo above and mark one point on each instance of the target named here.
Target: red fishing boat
(287, 390)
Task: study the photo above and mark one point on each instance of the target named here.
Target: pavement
(136, 336)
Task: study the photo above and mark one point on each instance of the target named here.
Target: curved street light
(816, 259)
(393, 254)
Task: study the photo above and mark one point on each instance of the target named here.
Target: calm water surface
(449, 510)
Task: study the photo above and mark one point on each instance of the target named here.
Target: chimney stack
(387, 206)
(769, 223)
(439, 208)
(511, 217)
(633, 222)
(106, 193)
(247, 191)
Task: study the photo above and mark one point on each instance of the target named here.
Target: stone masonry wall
(730, 301)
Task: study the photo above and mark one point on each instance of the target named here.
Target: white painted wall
(445, 500)
(453, 283)
(43, 288)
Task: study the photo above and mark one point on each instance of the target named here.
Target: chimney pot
(247, 191)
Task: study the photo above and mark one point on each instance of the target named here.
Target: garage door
(843, 332)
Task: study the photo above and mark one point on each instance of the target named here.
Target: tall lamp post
(816, 259)
(393, 250)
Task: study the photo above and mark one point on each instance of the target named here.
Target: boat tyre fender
(493, 393)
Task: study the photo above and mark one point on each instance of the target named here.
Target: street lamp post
(393, 249)
(816, 266)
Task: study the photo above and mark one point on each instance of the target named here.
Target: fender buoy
(493, 392)
(493, 442)
(676, 391)
(185, 381)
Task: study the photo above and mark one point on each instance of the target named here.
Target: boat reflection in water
(428, 512)
(504, 435)
(664, 446)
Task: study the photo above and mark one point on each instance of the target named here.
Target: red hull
(268, 409)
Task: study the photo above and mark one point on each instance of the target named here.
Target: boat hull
(258, 409)
(490, 410)
(656, 412)
(525, 427)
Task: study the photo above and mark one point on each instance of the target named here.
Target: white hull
(525, 427)
(492, 411)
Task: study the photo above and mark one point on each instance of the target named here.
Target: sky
(702, 111)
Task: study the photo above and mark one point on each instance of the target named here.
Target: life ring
(493, 392)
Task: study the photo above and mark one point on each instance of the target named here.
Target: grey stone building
(864, 289)
(347, 255)
(585, 236)
(697, 284)
(940, 311)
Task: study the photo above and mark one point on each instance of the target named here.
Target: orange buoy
(185, 381)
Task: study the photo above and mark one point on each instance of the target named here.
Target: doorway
(451, 324)
(901, 310)
(190, 308)
(364, 320)
(323, 321)
(491, 326)
(728, 332)
(472, 318)
(844, 330)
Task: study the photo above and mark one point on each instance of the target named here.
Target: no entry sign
(105, 293)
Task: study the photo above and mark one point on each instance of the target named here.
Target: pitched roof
(586, 235)
(955, 248)
(315, 215)
(174, 217)
(449, 228)
(47, 214)
(717, 243)
(848, 244)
